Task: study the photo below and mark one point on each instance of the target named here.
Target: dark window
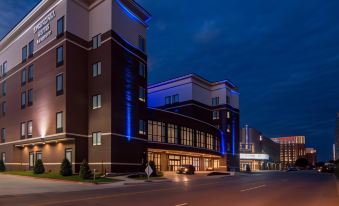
(4, 69)
(24, 53)
(3, 135)
(215, 115)
(96, 101)
(168, 100)
(30, 48)
(1, 71)
(228, 100)
(30, 97)
(142, 69)
(142, 44)
(23, 77)
(29, 129)
(61, 27)
(59, 84)
(4, 88)
(59, 122)
(23, 100)
(96, 138)
(175, 98)
(30, 73)
(142, 94)
(96, 69)
(3, 108)
(96, 41)
(215, 101)
(142, 127)
(60, 56)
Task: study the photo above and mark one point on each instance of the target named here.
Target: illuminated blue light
(132, 15)
(128, 98)
(233, 137)
(222, 142)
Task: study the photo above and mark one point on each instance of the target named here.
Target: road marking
(183, 204)
(252, 188)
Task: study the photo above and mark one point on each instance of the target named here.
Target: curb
(146, 182)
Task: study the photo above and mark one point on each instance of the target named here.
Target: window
(1, 70)
(200, 139)
(31, 159)
(4, 88)
(3, 108)
(60, 56)
(4, 68)
(59, 122)
(68, 155)
(96, 101)
(142, 94)
(3, 135)
(217, 144)
(30, 48)
(142, 69)
(215, 115)
(23, 130)
(29, 129)
(96, 69)
(156, 131)
(23, 100)
(30, 97)
(59, 84)
(23, 77)
(209, 141)
(3, 157)
(30, 73)
(228, 128)
(175, 98)
(228, 99)
(142, 127)
(168, 100)
(60, 25)
(96, 138)
(24, 53)
(228, 115)
(38, 155)
(215, 101)
(186, 136)
(96, 41)
(142, 43)
(172, 132)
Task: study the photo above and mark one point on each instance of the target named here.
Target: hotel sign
(244, 156)
(43, 28)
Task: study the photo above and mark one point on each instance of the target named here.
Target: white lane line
(183, 204)
(252, 188)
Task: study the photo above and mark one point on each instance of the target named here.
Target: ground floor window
(156, 159)
(38, 155)
(173, 162)
(68, 155)
(3, 157)
(196, 163)
(31, 159)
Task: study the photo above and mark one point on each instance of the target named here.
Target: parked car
(186, 169)
(328, 167)
(292, 169)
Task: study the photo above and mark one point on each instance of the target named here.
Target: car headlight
(185, 169)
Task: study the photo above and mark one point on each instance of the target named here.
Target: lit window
(96, 138)
(228, 128)
(23, 130)
(4, 68)
(59, 84)
(96, 41)
(29, 129)
(172, 132)
(142, 69)
(142, 94)
(142, 127)
(24, 53)
(60, 25)
(39, 156)
(23, 100)
(228, 115)
(3, 157)
(68, 155)
(60, 56)
(96, 69)
(30, 48)
(59, 122)
(215, 115)
(142, 43)
(96, 101)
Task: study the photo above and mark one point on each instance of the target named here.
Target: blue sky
(283, 55)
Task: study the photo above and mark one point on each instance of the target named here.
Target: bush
(2, 166)
(301, 162)
(66, 168)
(85, 172)
(152, 165)
(39, 167)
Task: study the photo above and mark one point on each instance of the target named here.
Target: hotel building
(291, 148)
(311, 156)
(257, 151)
(73, 82)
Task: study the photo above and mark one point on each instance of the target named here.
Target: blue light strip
(132, 15)
(128, 99)
(222, 142)
(233, 137)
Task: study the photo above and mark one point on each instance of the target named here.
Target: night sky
(283, 55)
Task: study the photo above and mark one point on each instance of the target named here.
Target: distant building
(337, 139)
(311, 156)
(257, 151)
(291, 148)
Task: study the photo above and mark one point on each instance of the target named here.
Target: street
(271, 189)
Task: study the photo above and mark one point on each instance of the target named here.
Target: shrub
(85, 172)
(2, 166)
(66, 168)
(301, 162)
(39, 167)
(152, 165)
(337, 169)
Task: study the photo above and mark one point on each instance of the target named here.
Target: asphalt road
(271, 189)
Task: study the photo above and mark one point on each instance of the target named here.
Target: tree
(66, 168)
(337, 168)
(154, 168)
(39, 167)
(2, 166)
(85, 172)
(301, 162)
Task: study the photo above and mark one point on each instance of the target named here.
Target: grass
(144, 177)
(56, 176)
